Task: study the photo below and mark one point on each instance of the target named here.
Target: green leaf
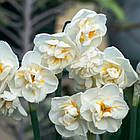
(114, 7)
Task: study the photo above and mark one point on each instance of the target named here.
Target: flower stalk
(91, 136)
(34, 121)
(58, 94)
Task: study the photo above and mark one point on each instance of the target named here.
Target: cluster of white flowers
(100, 77)
(32, 81)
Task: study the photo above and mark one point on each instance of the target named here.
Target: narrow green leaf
(34, 120)
(114, 7)
(91, 136)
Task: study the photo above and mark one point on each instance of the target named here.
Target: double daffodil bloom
(57, 50)
(116, 69)
(65, 114)
(32, 80)
(10, 106)
(85, 68)
(103, 109)
(86, 29)
(8, 64)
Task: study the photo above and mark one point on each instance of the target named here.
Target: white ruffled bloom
(10, 106)
(32, 80)
(8, 64)
(85, 68)
(103, 108)
(65, 114)
(87, 65)
(116, 69)
(86, 29)
(57, 50)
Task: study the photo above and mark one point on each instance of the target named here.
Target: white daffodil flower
(87, 65)
(86, 29)
(84, 69)
(103, 108)
(33, 80)
(10, 106)
(65, 114)
(8, 64)
(57, 50)
(116, 69)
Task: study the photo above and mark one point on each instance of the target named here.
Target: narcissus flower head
(65, 114)
(33, 80)
(116, 69)
(86, 29)
(8, 64)
(57, 50)
(103, 108)
(10, 106)
(84, 69)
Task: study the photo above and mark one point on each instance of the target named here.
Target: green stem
(58, 91)
(34, 120)
(58, 94)
(133, 121)
(91, 136)
(138, 123)
(101, 136)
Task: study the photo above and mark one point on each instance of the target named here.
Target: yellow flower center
(83, 38)
(71, 113)
(32, 76)
(1, 69)
(58, 60)
(91, 34)
(104, 108)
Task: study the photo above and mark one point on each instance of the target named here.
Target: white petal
(113, 52)
(88, 82)
(51, 81)
(40, 95)
(7, 54)
(132, 76)
(93, 129)
(86, 113)
(82, 129)
(58, 101)
(89, 95)
(22, 111)
(15, 90)
(77, 99)
(8, 96)
(121, 109)
(109, 124)
(54, 116)
(99, 18)
(110, 90)
(63, 131)
(73, 126)
(82, 14)
(31, 57)
(28, 95)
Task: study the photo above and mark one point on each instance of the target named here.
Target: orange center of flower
(83, 38)
(105, 109)
(1, 69)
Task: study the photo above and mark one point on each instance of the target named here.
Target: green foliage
(3, 17)
(111, 5)
(114, 7)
